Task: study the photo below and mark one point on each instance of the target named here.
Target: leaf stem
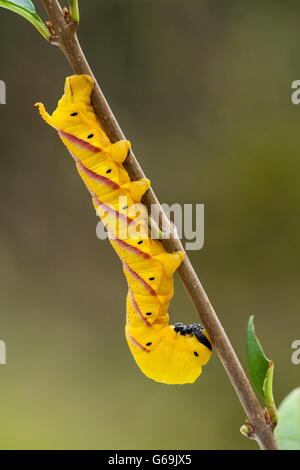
(74, 10)
(68, 43)
(268, 395)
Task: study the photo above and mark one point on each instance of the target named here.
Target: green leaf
(26, 9)
(261, 370)
(27, 4)
(258, 362)
(287, 432)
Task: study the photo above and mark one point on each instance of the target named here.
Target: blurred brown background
(202, 89)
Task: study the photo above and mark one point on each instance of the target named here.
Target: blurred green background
(202, 89)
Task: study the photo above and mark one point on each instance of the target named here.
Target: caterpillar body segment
(165, 353)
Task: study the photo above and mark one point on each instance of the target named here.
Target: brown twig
(66, 38)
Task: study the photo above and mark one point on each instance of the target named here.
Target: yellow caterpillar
(165, 353)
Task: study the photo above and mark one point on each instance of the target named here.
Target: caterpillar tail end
(42, 110)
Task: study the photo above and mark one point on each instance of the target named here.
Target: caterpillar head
(170, 354)
(74, 113)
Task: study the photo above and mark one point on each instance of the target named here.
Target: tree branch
(66, 39)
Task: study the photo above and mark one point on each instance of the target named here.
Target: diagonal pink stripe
(109, 209)
(140, 279)
(131, 248)
(139, 345)
(96, 177)
(79, 142)
(136, 308)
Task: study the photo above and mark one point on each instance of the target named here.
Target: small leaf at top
(27, 4)
(26, 9)
(258, 363)
(287, 432)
